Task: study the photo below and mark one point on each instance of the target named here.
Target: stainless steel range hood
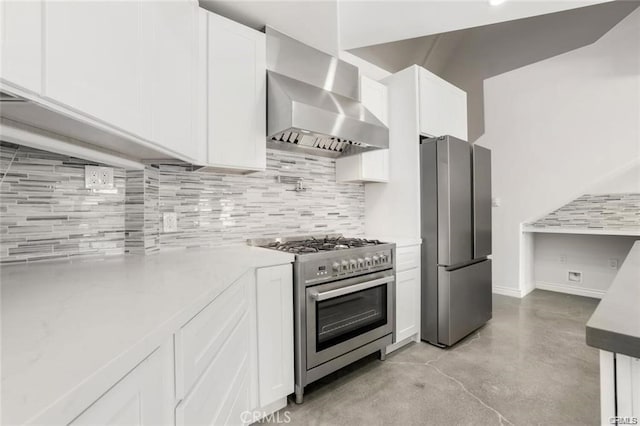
(313, 102)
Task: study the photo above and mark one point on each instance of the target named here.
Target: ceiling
(500, 47)
(334, 25)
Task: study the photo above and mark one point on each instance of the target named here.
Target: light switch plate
(169, 222)
(96, 177)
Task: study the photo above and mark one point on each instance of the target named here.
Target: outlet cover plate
(96, 177)
(574, 276)
(169, 222)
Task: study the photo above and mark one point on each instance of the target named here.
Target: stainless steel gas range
(344, 291)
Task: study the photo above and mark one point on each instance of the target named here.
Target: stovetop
(319, 244)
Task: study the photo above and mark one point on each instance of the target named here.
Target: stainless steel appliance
(344, 295)
(455, 185)
(313, 102)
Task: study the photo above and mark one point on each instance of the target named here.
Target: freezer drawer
(464, 301)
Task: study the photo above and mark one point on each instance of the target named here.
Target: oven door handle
(350, 289)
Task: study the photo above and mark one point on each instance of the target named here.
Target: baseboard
(507, 291)
(570, 289)
(398, 345)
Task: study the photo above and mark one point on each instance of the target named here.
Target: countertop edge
(612, 341)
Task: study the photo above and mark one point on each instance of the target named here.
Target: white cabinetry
(619, 386)
(21, 44)
(95, 68)
(274, 296)
(118, 75)
(170, 49)
(235, 95)
(143, 397)
(407, 325)
(370, 166)
(213, 363)
(443, 107)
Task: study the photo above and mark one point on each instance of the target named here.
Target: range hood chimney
(313, 102)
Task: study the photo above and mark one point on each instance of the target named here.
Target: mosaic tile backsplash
(609, 211)
(46, 213)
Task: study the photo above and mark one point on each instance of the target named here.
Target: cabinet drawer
(407, 258)
(223, 392)
(199, 341)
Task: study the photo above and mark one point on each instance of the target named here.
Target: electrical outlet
(613, 264)
(574, 276)
(96, 177)
(563, 258)
(169, 222)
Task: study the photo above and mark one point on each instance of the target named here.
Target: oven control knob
(376, 260)
(367, 261)
(336, 266)
(360, 262)
(353, 263)
(345, 265)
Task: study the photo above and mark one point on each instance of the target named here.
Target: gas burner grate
(315, 245)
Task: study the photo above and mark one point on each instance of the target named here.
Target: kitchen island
(614, 328)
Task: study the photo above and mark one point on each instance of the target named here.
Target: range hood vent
(313, 102)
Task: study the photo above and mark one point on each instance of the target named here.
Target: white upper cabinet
(124, 68)
(21, 44)
(94, 61)
(443, 107)
(171, 47)
(236, 95)
(372, 166)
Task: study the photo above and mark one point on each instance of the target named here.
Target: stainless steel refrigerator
(455, 186)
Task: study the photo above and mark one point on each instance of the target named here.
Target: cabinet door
(21, 44)
(370, 166)
(170, 31)
(237, 95)
(407, 303)
(222, 393)
(443, 107)
(93, 61)
(142, 397)
(274, 300)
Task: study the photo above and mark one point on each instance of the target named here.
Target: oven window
(344, 317)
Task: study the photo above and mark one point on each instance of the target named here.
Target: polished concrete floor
(528, 365)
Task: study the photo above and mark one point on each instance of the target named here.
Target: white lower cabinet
(234, 359)
(408, 284)
(143, 397)
(274, 296)
(407, 303)
(619, 387)
(213, 360)
(230, 364)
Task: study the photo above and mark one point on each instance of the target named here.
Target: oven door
(347, 314)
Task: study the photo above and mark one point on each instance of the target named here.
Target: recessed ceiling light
(496, 2)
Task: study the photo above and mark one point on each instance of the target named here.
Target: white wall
(556, 128)
(556, 254)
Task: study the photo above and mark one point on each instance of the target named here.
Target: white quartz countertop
(580, 231)
(399, 241)
(70, 328)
